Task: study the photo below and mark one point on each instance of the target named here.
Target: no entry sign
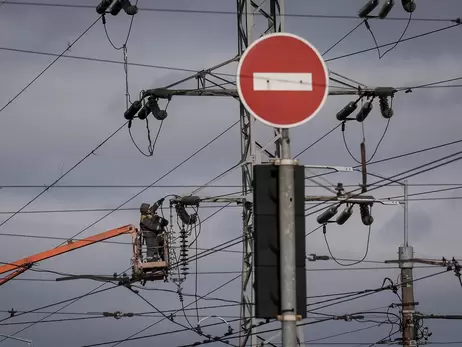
(282, 80)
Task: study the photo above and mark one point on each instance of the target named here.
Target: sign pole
(287, 244)
(284, 89)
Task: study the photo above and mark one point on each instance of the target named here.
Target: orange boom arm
(23, 264)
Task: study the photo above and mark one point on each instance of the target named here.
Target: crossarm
(22, 264)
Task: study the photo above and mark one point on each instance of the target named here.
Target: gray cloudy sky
(76, 104)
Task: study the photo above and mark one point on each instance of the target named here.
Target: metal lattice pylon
(255, 19)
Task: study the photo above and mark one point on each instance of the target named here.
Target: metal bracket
(289, 318)
(330, 167)
(289, 162)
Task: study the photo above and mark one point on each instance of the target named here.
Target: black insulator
(385, 109)
(326, 215)
(160, 114)
(118, 5)
(364, 111)
(366, 217)
(132, 110)
(346, 111)
(130, 9)
(103, 6)
(156, 111)
(409, 5)
(387, 7)
(190, 200)
(368, 8)
(345, 215)
(144, 113)
(184, 216)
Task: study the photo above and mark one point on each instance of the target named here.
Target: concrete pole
(287, 244)
(406, 254)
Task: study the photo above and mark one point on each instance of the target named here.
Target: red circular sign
(282, 80)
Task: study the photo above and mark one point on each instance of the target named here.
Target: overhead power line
(170, 68)
(215, 12)
(393, 178)
(63, 175)
(100, 210)
(458, 23)
(58, 56)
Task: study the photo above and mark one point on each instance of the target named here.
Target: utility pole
(287, 243)
(406, 264)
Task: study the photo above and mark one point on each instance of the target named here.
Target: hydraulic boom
(151, 270)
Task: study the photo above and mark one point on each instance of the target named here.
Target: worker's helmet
(144, 208)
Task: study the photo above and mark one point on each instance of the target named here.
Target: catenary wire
(122, 186)
(216, 73)
(184, 161)
(232, 13)
(62, 176)
(394, 42)
(159, 179)
(48, 66)
(343, 38)
(167, 317)
(115, 343)
(95, 210)
(260, 332)
(401, 178)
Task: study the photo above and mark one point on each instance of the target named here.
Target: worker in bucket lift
(151, 227)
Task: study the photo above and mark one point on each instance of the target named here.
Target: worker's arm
(157, 204)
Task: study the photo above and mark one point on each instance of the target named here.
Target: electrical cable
(400, 38)
(150, 146)
(132, 337)
(121, 206)
(159, 179)
(260, 332)
(343, 38)
(357, 262)
(49, 65)
(315, 142)
(458, 22)
(431, 84)
(123, 186)
(62, 302)
(97, 210)
(368, 26)
(380, 141)
(401, 178)
(346, 145)
(342, 334)
(62, 176)
(166, 317)
(215, 12)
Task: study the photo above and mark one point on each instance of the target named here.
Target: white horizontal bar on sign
(274, 81)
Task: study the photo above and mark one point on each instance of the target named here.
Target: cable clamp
(288, 162)
(289, 318)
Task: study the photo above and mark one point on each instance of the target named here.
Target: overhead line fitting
(144, 109)
(408, 6)
(115, 7)
(382, 93)
(365, 207)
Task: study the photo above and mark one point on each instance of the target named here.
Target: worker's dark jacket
(153, 223)
(149, 223)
